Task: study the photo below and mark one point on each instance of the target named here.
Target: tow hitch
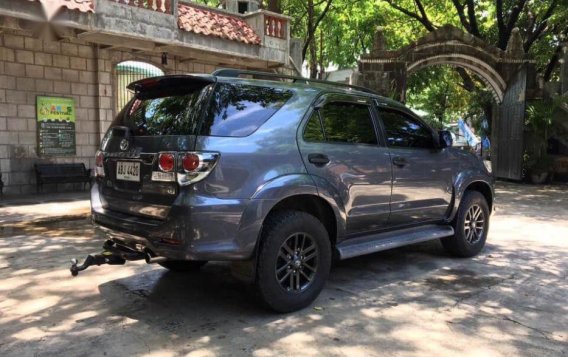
(112, 254)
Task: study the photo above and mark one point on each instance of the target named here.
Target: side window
(406, 132)
(313, 131)
(345, 122)
(239, 109)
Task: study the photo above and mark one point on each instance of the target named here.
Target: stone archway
(386, 71)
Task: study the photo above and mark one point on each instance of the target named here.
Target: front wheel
(470, 225)
(294, 260)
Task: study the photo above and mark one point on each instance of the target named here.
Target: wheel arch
(314, 205)
(485, 189)
(477, 183)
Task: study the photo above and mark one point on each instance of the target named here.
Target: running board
(389, 240)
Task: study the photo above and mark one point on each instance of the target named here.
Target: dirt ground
(510, 300)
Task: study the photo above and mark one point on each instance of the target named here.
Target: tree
(541, 22)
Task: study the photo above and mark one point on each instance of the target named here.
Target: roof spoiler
(171, 81)
(155, 87)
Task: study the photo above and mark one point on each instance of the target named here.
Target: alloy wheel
(297, 262)
(474, 224)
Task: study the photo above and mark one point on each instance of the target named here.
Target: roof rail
(231, 72)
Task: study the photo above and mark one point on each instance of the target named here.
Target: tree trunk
(274, 6)
(312, 45)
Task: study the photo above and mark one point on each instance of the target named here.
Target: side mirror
(445, 139)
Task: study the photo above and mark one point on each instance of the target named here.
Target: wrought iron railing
(164, 6)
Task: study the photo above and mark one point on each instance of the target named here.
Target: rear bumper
(196, 228)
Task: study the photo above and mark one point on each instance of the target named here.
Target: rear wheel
(293, 261)
(470, 225)
(183, 265)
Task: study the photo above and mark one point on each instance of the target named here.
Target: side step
(389, 240)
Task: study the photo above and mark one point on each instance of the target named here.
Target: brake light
(99, 164)
(99, 159)
(195, 166)
(166, 162)
(190, 162)
(185, 167)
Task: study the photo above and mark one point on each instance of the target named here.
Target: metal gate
(128, 72)
(508, 146)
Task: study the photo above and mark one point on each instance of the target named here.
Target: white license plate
(128, 171)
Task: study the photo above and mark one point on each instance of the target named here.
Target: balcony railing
(275, 27)
(164, 6)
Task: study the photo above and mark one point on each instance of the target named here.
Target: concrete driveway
(510, 300)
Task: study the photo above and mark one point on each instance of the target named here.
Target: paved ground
(43, 207)
(510, 300)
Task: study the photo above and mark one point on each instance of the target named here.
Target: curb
(46, 220)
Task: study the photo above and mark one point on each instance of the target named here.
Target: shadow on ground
(413, 300)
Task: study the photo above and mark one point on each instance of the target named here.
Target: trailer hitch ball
(106, 257)
(73, 269)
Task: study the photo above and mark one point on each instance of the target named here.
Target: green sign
(55, 125)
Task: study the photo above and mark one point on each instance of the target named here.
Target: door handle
(318, 159)
(399, 161)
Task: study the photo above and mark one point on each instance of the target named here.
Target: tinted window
(404, 131)
(238, 110)
(170, 115)
(348, 123)
(313, 130)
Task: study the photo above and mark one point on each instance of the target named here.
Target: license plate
(128, 171)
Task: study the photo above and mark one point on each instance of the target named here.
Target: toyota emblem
(124, 144)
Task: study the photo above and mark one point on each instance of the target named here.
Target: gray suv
(279, 177)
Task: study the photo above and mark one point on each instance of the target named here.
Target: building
(87, 50)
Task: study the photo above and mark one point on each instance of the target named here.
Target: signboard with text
(55, 125)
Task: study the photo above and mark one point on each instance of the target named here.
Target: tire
(183, 265)
(467, 241)
(289, 282)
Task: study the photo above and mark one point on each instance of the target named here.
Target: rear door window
(346, 122)
(239, 109)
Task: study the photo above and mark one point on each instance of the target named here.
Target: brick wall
(30, 67)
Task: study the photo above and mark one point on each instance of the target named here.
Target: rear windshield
(223, 110)
(171, 115)
(238, 110)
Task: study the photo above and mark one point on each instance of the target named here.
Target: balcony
(164, 6)
(185, 29)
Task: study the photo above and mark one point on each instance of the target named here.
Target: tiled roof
(52, 6)
(211, 23)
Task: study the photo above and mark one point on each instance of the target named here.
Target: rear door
(422, 179)
(340, 147)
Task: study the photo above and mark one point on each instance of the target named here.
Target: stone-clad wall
(30, 67)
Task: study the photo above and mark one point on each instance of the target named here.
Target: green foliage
(539, 121)
(436, 90)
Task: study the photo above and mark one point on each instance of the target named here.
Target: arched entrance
(127, 72)
(506, 74)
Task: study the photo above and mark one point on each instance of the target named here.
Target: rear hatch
(144, 148)
(149, 153)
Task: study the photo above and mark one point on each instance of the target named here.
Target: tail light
(167, 162)
(188, 167)
(190, 162)
(195, 166)
(99, 164)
